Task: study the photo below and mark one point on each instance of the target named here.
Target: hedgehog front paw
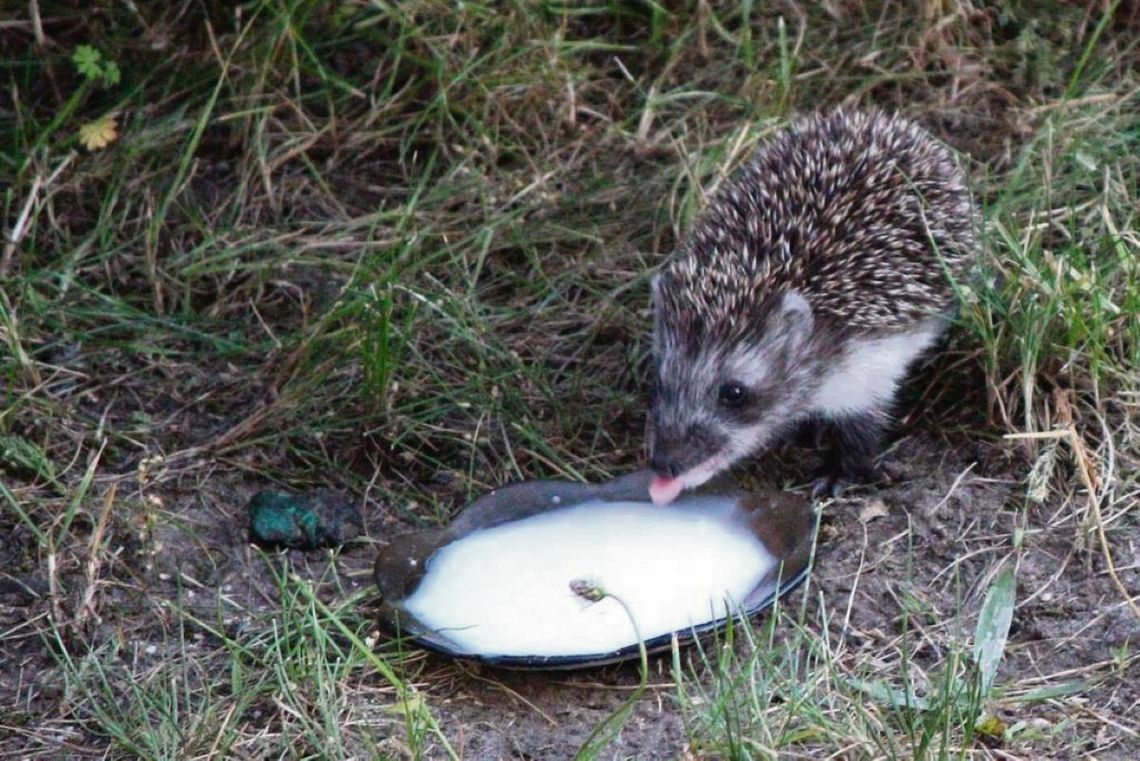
(826, 487)
(832, 482)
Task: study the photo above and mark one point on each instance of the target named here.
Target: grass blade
(993, 626)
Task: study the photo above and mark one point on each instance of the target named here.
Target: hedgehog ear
(795, 319)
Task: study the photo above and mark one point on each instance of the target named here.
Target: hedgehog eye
(731, 395)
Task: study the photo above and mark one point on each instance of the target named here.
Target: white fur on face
(694, 477)
(865, 378)
(750, 366)
(789, 330)
(742, 442)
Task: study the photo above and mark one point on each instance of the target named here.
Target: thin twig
(87, 601)
(1080, 454)
(37, 22)
(20, 226)
(1084, 467)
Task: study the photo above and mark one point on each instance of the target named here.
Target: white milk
(506, 590)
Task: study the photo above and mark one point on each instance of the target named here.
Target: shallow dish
(766, 535)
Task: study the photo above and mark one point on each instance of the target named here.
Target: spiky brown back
(861, 212)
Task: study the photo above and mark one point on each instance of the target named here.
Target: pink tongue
(664, 490)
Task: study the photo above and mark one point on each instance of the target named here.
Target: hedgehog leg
(851, 447)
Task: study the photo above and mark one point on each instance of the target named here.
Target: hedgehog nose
(663, 465)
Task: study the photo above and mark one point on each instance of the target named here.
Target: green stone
(321, 518)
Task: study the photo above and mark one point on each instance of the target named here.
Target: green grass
(403, 249)
(1060, 301)
(299, 675)
(796, 681)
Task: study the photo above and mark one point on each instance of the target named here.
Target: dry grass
(403, 249)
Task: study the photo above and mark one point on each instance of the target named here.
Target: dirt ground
(929, 544)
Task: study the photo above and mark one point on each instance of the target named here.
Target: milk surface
(506, 590)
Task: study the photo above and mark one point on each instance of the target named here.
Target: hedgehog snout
(667, 458)
(673, 451)
(665, 464)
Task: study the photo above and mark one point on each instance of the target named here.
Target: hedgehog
(816, 276)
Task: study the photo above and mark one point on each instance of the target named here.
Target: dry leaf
(872, 509)
(99, 133)
(410, 703)
(991, 727)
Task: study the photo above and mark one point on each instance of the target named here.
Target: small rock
(872, 509)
